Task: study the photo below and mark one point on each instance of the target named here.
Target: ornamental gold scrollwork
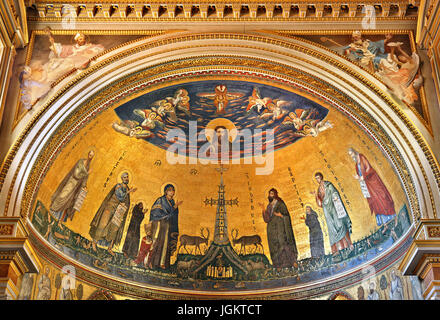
(6, 229)
(434, 231)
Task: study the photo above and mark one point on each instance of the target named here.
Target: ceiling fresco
(140, 193)
(391, 56)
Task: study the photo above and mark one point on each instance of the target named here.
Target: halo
(162, 187)
(130, 175)
(313, 176)
(228, 124)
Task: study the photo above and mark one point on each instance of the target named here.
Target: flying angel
(169, 106)
(305, 124)
(266, 107)
(131, 129)
(151, 119)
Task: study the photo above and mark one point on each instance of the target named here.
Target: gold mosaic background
(150, 172)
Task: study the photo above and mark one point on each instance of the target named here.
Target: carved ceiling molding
(267, 10)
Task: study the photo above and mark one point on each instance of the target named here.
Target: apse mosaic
(113, 201)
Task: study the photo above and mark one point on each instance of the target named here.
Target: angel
(257, 103)
(401, 74)
(275, 110)
(221, 97)
(266, 107)
(170, 105)
(131, 129)
(305, 123)
(151, 119)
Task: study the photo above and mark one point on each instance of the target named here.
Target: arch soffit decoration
(318, 70)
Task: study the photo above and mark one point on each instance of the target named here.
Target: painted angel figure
(169, 106)
(31, 90)
(131, 129)
(36, 80)
(274, 110)
(305, 124)
(401, 73)
(221, 97)
(151, 119)
(256, 103)
(266, 108)
(64, 58)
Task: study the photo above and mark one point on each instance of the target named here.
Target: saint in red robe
(144, 251)
(380, 201)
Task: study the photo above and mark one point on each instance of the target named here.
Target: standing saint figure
(315, 233)
(396, 289)
(44, 286)
(282, 244)
(67, 285)
(164, 216)
(131, 244)
(72, 188)
(401, 77)
(361, 293)
(108, 224)
(373, 294)
(379, 199)
(27, 283)
(338, 221)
